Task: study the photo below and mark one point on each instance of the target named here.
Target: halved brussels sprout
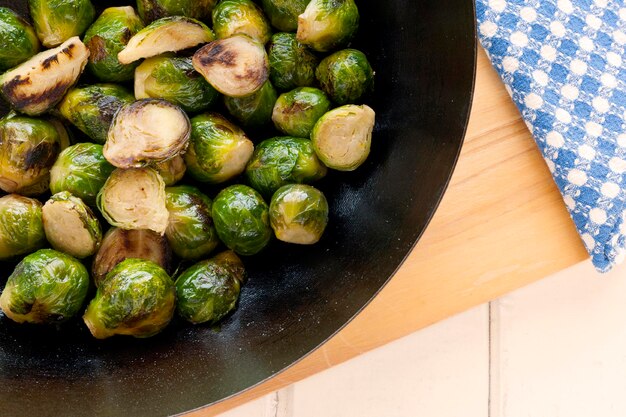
(328, 24)
(299, 214)
(170, 34)
(218, 150)
(38, 84)
(284, 13)
(146, 131)
(297, 111)
(106, 38)
(237, 66)
(190, 231)
(343, 136)
(175, 80)
(255, 110)
(91, 108)
(209, 290)
(137, 298)
(240, 17)
(241, 219)
(134, 199)
(283, 160)
(346, 76)
(119, 244)
(172, 170)
(291, 63)
(151, 10)
(70, 226)
(47, 287)
(19, 41)
(56, 21)
(21, 227)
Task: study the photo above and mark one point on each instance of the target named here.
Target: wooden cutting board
(501, 225)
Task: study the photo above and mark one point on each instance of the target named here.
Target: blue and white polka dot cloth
(564, 64)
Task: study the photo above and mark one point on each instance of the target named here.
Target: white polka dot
(589, 241)
(622, 14)
(614, 59)
(600, 104)
(600, 3)
(555, 139)
(497, 5)
(598, 216)
(550, 165)
(617, 165)
(570, 92)
(593, 21)
(557, 29)
(621, 140)
(586, 152)
(488, 29)
(610, 189)
(586, 44)
(578, 67)
(569, 202)
(619, 37)
(593, 129)
(563, 116)
(540, 77)
(548, 53)
(519, 39)
(528, 14)
(577, 177)
(565, 6)
(533, 101)
(608, 80)
(510, 64)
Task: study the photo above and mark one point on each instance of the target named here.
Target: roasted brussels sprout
(21, 227)
(91, 108)
(237, 66)
(137, 298)
(296, 112)
(134, 199)
(284, 13)
(119, 244)
(190, 231)
(56, 21)
(240, 17)
(172, 170)
(146, 131)
(255, 110)
(175, 80)
(81, 170)
(291, 63)
(47, 287)
(346, 76)
(170, 34)
(106, 38)
(342, 137)
(151, 10)
(218, 149)
(284, 160)
(19, 41)
(299, 214)
(241, 219)
(209, 290)
(328, 24)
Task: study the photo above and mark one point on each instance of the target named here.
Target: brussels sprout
(299, 214)
(291, 63)
(237, 66)
(190, 231)
(38, 84)
(146, 131)
(151, 10)
(119, 244)
(134, 199)
(284, 13)
(218, 149)
(296, 112)
(170, 34)
(255, 110)
(284, 160)
(328, 24)
(346, 76)
(21, 227)
(47, 287)
(137, 298)
(19, 41)
(209, 290)
(91, 108)
(342, 137)
(58, 20)
(242, 219)
(174, 80)
(240, 17)
(172, 170)
(106, 38)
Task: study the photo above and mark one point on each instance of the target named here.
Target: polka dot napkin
(564, 64)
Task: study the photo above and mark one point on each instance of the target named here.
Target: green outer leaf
(346, 76)
(291, 63)
(232, 17)
(341, 19)
(297, 111)
(56, 21)
(19, 41)
(151, 10)
(299, 210)
(284, 13)
(253, 111)
(21, 226)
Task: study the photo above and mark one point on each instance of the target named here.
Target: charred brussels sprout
(240, 17)
(284, 160)
(291, 63)
(209, 290)
(299, 214)
(284, 13)
(137, 298)
(58, 20)
(242, 219)
(151, 10)
(47, 287)
(21, 226)
(91, 108)
(172, 170)
(255, 110)
(346, 76)
(175, 80)
(328, 24)
(218, 149)
(19, 41)
(296, 112)
(106, 38)
(190, 231)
